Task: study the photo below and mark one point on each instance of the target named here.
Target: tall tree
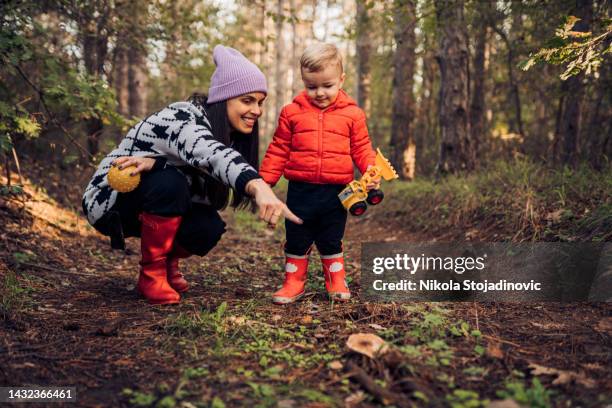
(402, 141)
(364, 49)
(120, 79)
(456, 149)
(478, 78)
(497, 23)
(573, 91)
(136, 55)
(279, 81)
(599, 129)
(301, 28)
(93, 23)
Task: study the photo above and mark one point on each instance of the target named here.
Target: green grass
(517, 201)
(247, 222)
(535, 396)
(14, 296)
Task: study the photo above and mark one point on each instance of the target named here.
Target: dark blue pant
(323, 214)
(165, 192)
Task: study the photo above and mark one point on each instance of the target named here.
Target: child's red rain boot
(296, 269)
(156, 241)
(175, 277)
(335, 277)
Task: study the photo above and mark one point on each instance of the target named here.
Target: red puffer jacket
(318, 146)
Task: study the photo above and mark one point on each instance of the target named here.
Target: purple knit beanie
(235, 75)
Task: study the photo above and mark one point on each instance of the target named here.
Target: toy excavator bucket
(386, 169)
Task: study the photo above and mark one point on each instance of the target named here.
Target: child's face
(322, 86)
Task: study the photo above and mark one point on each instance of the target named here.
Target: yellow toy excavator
(355, 195)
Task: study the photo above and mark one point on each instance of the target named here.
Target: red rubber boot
(296, 269)
(175, 277)
(156, 240)
(335, 277)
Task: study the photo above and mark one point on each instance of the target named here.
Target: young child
(319, 137)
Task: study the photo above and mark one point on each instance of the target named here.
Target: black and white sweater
(181, 134)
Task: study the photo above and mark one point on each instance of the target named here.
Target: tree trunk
(456, 150)
(137, 64)
(94, 40)
(570, 121)
(515, 97)
(554, 155)
(266, 124)
(137, 82)
(279, 67)
(294, 65)
(364, 49)
(120, 81)
(425, 133)
(477, 104)
(596, 131)
(402, 141)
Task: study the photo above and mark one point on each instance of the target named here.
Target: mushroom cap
(121, 180)
(367, 344)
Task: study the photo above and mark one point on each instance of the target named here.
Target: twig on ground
(383, 395)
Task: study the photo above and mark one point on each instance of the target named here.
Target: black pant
(166, 193)
(324, 218)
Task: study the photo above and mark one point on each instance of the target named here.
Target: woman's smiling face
(244, 110)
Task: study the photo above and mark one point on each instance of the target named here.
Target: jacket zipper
(320, 146)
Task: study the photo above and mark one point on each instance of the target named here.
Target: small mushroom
(367, 344)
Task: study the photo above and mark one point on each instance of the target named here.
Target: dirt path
(73, 318)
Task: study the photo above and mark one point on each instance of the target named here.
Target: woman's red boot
(335, 277)
(175, 277)
(156, 242)
(296, 269)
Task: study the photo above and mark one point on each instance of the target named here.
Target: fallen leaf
(286, 403)
(494, 350)
(548, 326)
(335, 365)
(354, 400)
(506, 403)
(367, 344)
(554, 216)
(593, 366)
(124, 362)
(306, 320)
(604, 325)
(376, 326)
(563, 376)
(27, 364)
(237, 320)
(471, 233)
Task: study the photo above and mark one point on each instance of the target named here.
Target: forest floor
(71, 317)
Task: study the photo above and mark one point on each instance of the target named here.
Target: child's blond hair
(317, 56)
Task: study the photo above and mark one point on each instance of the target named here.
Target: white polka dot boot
(296, 269)
(335, 277)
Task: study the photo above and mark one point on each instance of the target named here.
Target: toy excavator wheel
(358, 208)
(375, 197)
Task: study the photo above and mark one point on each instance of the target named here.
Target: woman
(189, 155)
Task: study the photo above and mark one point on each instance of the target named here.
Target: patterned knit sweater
(181, 134)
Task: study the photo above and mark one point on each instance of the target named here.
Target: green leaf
(217, 403)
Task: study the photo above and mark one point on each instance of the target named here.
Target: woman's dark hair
(247, 145)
